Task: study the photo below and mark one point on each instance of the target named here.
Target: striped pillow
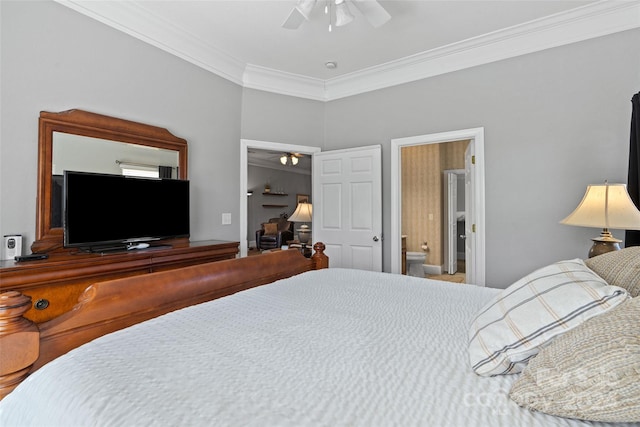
(520, 320)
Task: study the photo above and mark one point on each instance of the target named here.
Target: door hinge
(473, 160)
(473, 228)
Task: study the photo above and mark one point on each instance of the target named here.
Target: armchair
(274, 233)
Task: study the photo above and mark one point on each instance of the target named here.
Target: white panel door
(347, 206)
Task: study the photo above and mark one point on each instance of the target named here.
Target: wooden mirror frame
(84, 123)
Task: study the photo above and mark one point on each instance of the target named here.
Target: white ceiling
(243, 41)
(251, 32)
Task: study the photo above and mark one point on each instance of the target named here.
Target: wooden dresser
(55, 284)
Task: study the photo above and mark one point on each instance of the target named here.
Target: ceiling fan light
(294, 160)
(283, 159)
(305, 7)
(373, 12)
(343, 14)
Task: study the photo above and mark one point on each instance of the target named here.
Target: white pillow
(512, 327)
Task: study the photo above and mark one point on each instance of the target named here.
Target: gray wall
(280, 118)
(55, 59)
(555, 121)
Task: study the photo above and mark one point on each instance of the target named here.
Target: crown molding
(136, 21)
(270, 80)
(579, 24)
(593, 20)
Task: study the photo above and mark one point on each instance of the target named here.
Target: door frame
(245, 145)
(477, 273)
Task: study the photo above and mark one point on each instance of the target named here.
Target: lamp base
(603, 244)
(304, 234)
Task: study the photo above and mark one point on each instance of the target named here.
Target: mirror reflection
(88, 154)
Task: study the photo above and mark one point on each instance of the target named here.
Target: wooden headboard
(116, 304)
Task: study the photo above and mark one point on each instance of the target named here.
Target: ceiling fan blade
(299, 14)
(294, 20)
(373, 11)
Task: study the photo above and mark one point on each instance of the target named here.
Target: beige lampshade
(605, 206)
(303, 213)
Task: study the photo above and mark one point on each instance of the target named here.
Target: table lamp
(605, 206)
(303, 213)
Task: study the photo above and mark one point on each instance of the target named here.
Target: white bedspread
(327, 348)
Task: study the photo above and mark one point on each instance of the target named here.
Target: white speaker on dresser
(11, 246)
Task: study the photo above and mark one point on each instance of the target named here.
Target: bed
(312, 346)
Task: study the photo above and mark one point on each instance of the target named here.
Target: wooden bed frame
(116, 304)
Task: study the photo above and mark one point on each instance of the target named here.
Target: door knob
(376, 238)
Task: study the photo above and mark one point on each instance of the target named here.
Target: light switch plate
(226, 218)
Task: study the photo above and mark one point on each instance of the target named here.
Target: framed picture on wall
(302, 198)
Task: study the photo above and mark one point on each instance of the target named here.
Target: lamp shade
(303, 213)
(605, 206)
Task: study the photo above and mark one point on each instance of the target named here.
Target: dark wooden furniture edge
(116, 304)
(55, 284)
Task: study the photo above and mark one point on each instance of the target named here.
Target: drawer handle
(41, 304)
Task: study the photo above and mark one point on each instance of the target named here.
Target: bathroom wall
(422, 194)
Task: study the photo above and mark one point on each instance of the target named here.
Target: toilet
(415, 261)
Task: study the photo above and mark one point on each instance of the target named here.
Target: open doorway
(474, 207)
(430, 206)
(275, 183)
(266, 147)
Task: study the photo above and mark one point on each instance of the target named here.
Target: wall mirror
(83, 141)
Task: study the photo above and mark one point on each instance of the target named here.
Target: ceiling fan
(292, 158)
(265, 157)
(370, 9)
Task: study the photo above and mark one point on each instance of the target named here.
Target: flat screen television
(111, 211)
